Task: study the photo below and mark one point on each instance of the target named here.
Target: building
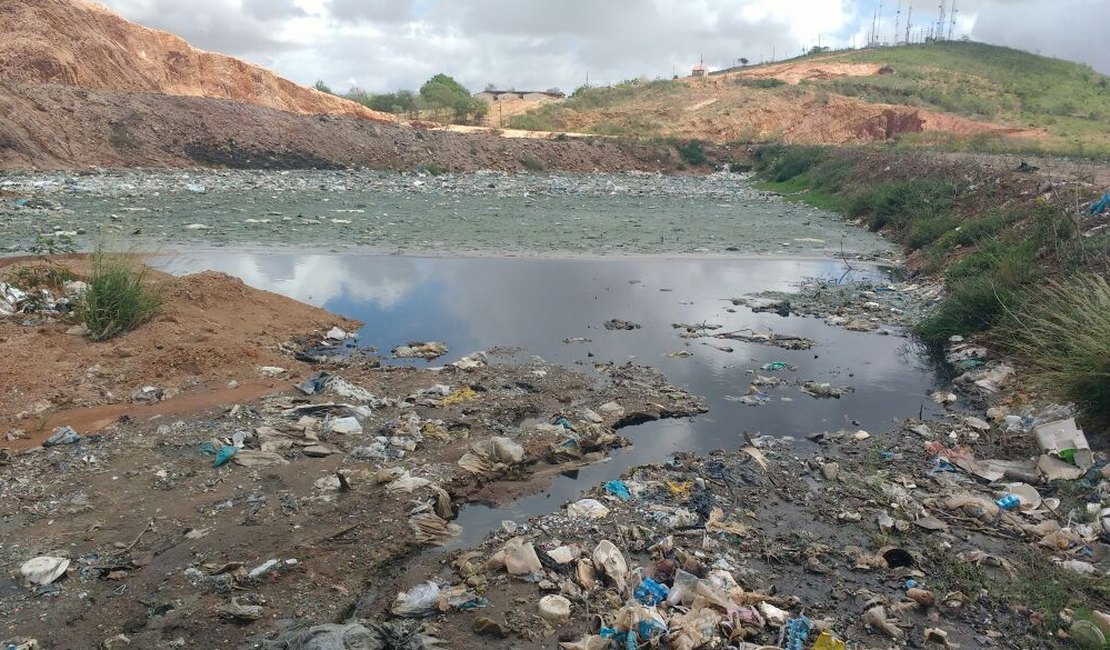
(700, 70)
(499, 96)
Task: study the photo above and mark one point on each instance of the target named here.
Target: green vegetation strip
(1020, 265)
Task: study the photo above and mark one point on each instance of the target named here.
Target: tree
(323, 87)
(743, 61)
(444, 93)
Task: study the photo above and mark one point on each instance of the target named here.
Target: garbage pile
(777, 545)
(857, 305)
(39, 300)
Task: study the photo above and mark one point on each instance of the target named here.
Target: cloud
(374, 11)
(222, 26)
(1068, 29)
(271, 10)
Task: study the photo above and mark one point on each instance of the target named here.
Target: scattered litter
(43, 570)
(62, 436)
(420, 350)
(617, 324)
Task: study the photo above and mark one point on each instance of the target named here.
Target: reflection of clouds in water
(318, 279)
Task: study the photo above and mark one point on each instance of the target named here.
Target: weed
(981, 289)
(1062, 331)
(119, 296)
(32, 277)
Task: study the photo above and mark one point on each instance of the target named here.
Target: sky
(386, 45)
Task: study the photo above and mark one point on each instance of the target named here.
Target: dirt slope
(48, 126)
(78, 43)
(721, 111)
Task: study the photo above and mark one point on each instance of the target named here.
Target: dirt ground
(212, 330)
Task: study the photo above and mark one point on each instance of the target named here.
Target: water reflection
(476, 303)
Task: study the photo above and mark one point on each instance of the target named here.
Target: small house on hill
(699, 70)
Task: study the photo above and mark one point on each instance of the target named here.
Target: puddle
(477, 303)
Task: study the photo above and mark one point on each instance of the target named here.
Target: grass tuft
(1062, 331)
(119, 297)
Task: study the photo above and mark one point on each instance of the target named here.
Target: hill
(81, 86)
(78, 43)
(940, 92)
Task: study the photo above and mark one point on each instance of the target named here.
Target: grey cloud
(1069, 29)
(373, 11)
(272, 10)
(542, 17)
(213, 25)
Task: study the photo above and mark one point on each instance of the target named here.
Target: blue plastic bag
(619, 490)
(650, 592)
(226, 453)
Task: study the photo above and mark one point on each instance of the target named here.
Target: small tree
(444, 93)
(743, 61)
(323, 87)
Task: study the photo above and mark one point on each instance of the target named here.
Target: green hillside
(987, 82)
(1063, 107)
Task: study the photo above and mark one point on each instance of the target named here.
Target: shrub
(1062, 332)
(981, 288)
(765, 83)
(692, 153)
(119, 296)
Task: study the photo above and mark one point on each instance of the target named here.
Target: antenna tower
(939, 33)
(909, 21)
(879, 23)
(952, 24)
(897, 22)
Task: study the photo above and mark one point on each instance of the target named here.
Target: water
(477, 303)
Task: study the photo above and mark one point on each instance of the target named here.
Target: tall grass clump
(981, 289)
(1062, 332)
(119, 296)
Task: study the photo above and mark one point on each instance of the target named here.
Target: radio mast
(909, 18)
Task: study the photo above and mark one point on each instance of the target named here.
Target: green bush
(765, 83)
(692, 153)
(981, 289)
(787, 163)
(1062, 332)
(119, 296)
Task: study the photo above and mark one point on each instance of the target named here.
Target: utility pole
(952, 24)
